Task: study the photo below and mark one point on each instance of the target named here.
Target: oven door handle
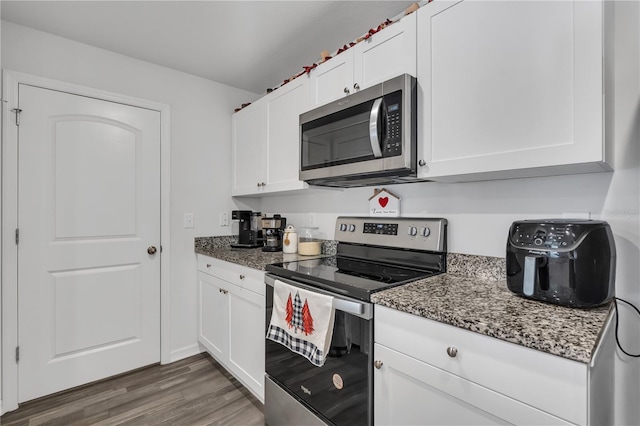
(360, 309)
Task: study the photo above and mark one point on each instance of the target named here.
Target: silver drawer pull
(452, 352)
(377, 364)
(241, 277)
(208, 265)
(223, 291)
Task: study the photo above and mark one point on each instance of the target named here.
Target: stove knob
(352, 227)
(425, 232)
(343, 227)
(412, 231)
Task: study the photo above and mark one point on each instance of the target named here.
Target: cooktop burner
(352, 277)
(373, 254)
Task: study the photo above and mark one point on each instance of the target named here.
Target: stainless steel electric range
(373, 254)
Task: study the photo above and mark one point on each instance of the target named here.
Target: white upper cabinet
(266, 142)
(510, 89)
(386, 54)
(284, 107)
(332, 79)
(249, 133)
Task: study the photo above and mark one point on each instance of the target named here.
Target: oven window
(340, 138)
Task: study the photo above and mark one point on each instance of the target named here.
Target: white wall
(200, 142)
(480, 213)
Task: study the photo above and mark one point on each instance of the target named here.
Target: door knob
(152, 250)
(452, 352)
(377, 364)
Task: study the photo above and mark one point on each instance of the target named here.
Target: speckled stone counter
(220, 248)
(489, 308)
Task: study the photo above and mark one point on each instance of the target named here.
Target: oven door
(340, 392)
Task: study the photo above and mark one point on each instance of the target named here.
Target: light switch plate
(188, 220)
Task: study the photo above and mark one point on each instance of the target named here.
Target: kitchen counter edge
(489, 308)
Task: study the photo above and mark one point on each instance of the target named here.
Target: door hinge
(17, 354)
(17, 111)
(17, 236)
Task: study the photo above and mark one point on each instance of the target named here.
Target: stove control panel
(411, 233)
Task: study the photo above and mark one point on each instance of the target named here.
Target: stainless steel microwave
(367, 138)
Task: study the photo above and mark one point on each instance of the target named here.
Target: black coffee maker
(249, 229)
(569, 262)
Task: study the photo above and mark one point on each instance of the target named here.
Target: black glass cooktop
(350, 277)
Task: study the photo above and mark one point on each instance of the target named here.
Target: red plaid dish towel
(302, 321)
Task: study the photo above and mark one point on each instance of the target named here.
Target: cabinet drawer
(248, 278)
(548, 382)
(411, 392)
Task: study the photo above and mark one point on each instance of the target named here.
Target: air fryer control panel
(549, 235)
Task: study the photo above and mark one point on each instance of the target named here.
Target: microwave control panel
(393, 113)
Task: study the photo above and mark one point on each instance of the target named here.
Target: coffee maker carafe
(273, 228)
(249, 229)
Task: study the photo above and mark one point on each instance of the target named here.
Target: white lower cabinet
(231, 316)
(436, 374)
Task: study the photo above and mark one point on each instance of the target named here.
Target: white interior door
(88, 209)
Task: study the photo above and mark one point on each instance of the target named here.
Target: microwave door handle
(373, 128)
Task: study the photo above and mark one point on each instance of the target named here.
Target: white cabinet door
(284, 107)
(246, 338)
(387, 54)
(213, 306)
(333, 79)
(249, 149)
(411, 392)
(499, 93)
(231, 319)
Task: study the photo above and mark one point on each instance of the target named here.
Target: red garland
(307, 69)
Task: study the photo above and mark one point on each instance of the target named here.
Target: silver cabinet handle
(223, 291)
(356, 86)
(452, 352)
(346, 90)
(422, 163)
(208, 265)
(241, 277)
(377, 364)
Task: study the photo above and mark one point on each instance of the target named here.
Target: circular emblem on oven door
(337, 381)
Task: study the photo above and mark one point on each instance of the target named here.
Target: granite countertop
(473, 295)
(489, 308)
(220, 248)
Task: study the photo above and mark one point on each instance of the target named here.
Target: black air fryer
(568, 262)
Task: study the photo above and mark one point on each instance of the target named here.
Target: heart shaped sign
(383, 201)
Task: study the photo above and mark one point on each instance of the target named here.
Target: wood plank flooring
(191, 392)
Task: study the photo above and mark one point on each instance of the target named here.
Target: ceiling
(252, 45)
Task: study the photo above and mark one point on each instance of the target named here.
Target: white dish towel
(302, 321)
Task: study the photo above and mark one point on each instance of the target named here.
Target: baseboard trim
(185, 352)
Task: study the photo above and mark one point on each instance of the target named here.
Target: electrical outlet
(188, 220)
(224, 219)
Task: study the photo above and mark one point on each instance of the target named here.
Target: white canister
(290, 240)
